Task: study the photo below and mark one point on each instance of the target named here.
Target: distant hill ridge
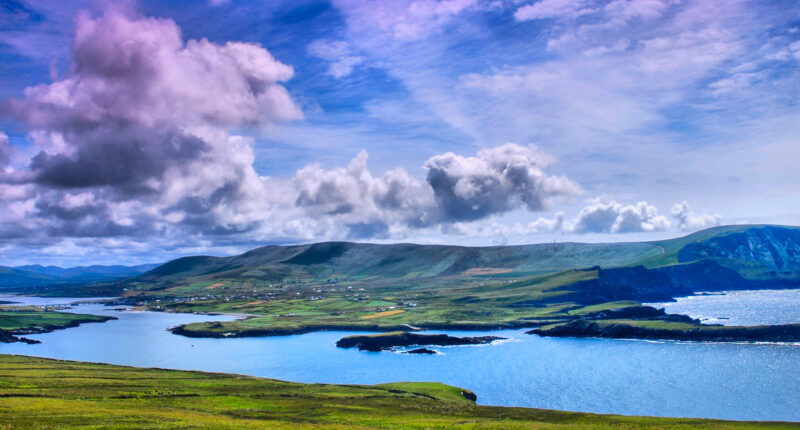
(38, 275)
(757, 251)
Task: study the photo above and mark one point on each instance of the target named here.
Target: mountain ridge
(397, 260)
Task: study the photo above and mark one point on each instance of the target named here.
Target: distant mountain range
(727, 257)
(15, 278)
(756, 251)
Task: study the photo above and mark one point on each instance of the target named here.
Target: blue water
(729, 381)
(739, 307)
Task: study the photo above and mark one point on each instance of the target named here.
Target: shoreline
(599, 325)
(595, 325)
(172, 393)
(15, 335)
(782, 333)
(289, 331)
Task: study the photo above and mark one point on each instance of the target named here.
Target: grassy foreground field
(43, 393)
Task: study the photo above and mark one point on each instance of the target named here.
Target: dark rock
(8, 337)
(421, 351)
(469, 395)
(380, 342)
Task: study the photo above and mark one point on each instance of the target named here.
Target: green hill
(762, 250)
(344, 285)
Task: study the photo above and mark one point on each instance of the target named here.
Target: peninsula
(18, 321)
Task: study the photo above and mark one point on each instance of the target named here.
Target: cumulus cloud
(457, 188)
(689, 221)
(497, 180)
(601, 215)
(354, 192)
(338, 53)
(136, 136)
(604, 215)
(608, 216)
(544, 225)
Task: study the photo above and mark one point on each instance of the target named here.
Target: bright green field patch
(656, 324)
(30, 319)
(604, 307)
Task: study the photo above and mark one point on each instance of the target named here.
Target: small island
(423, 351)
(388, 341)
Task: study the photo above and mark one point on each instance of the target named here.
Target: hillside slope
(756, 250)
(29, 278)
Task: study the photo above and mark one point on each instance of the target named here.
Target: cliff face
(774, 248)
(663, 284)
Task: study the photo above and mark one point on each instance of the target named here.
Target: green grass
(41, 393)
(658, 324)
(604, 307)
(30, 319)
(285, 289)
(436, 302)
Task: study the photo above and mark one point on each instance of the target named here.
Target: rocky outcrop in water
(387, 341)
(421, 351)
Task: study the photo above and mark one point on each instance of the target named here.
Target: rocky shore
(421, 351)
(217, 330)
(11, 336)
(707, 333)
(8, 337)
(388, 341)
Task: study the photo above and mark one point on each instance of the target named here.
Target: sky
(140, 131)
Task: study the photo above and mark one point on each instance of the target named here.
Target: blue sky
(141, 131)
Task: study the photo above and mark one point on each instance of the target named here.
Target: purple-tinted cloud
(497, 180)
(137, 133)
(458, 188)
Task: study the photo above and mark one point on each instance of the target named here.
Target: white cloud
(403, 20)
(562, 9)
(497, 180)
(689, 221)
(608, 216)
(135, 138)
(458, 188)
(338, 53)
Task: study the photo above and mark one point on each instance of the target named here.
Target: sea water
(738, 381)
